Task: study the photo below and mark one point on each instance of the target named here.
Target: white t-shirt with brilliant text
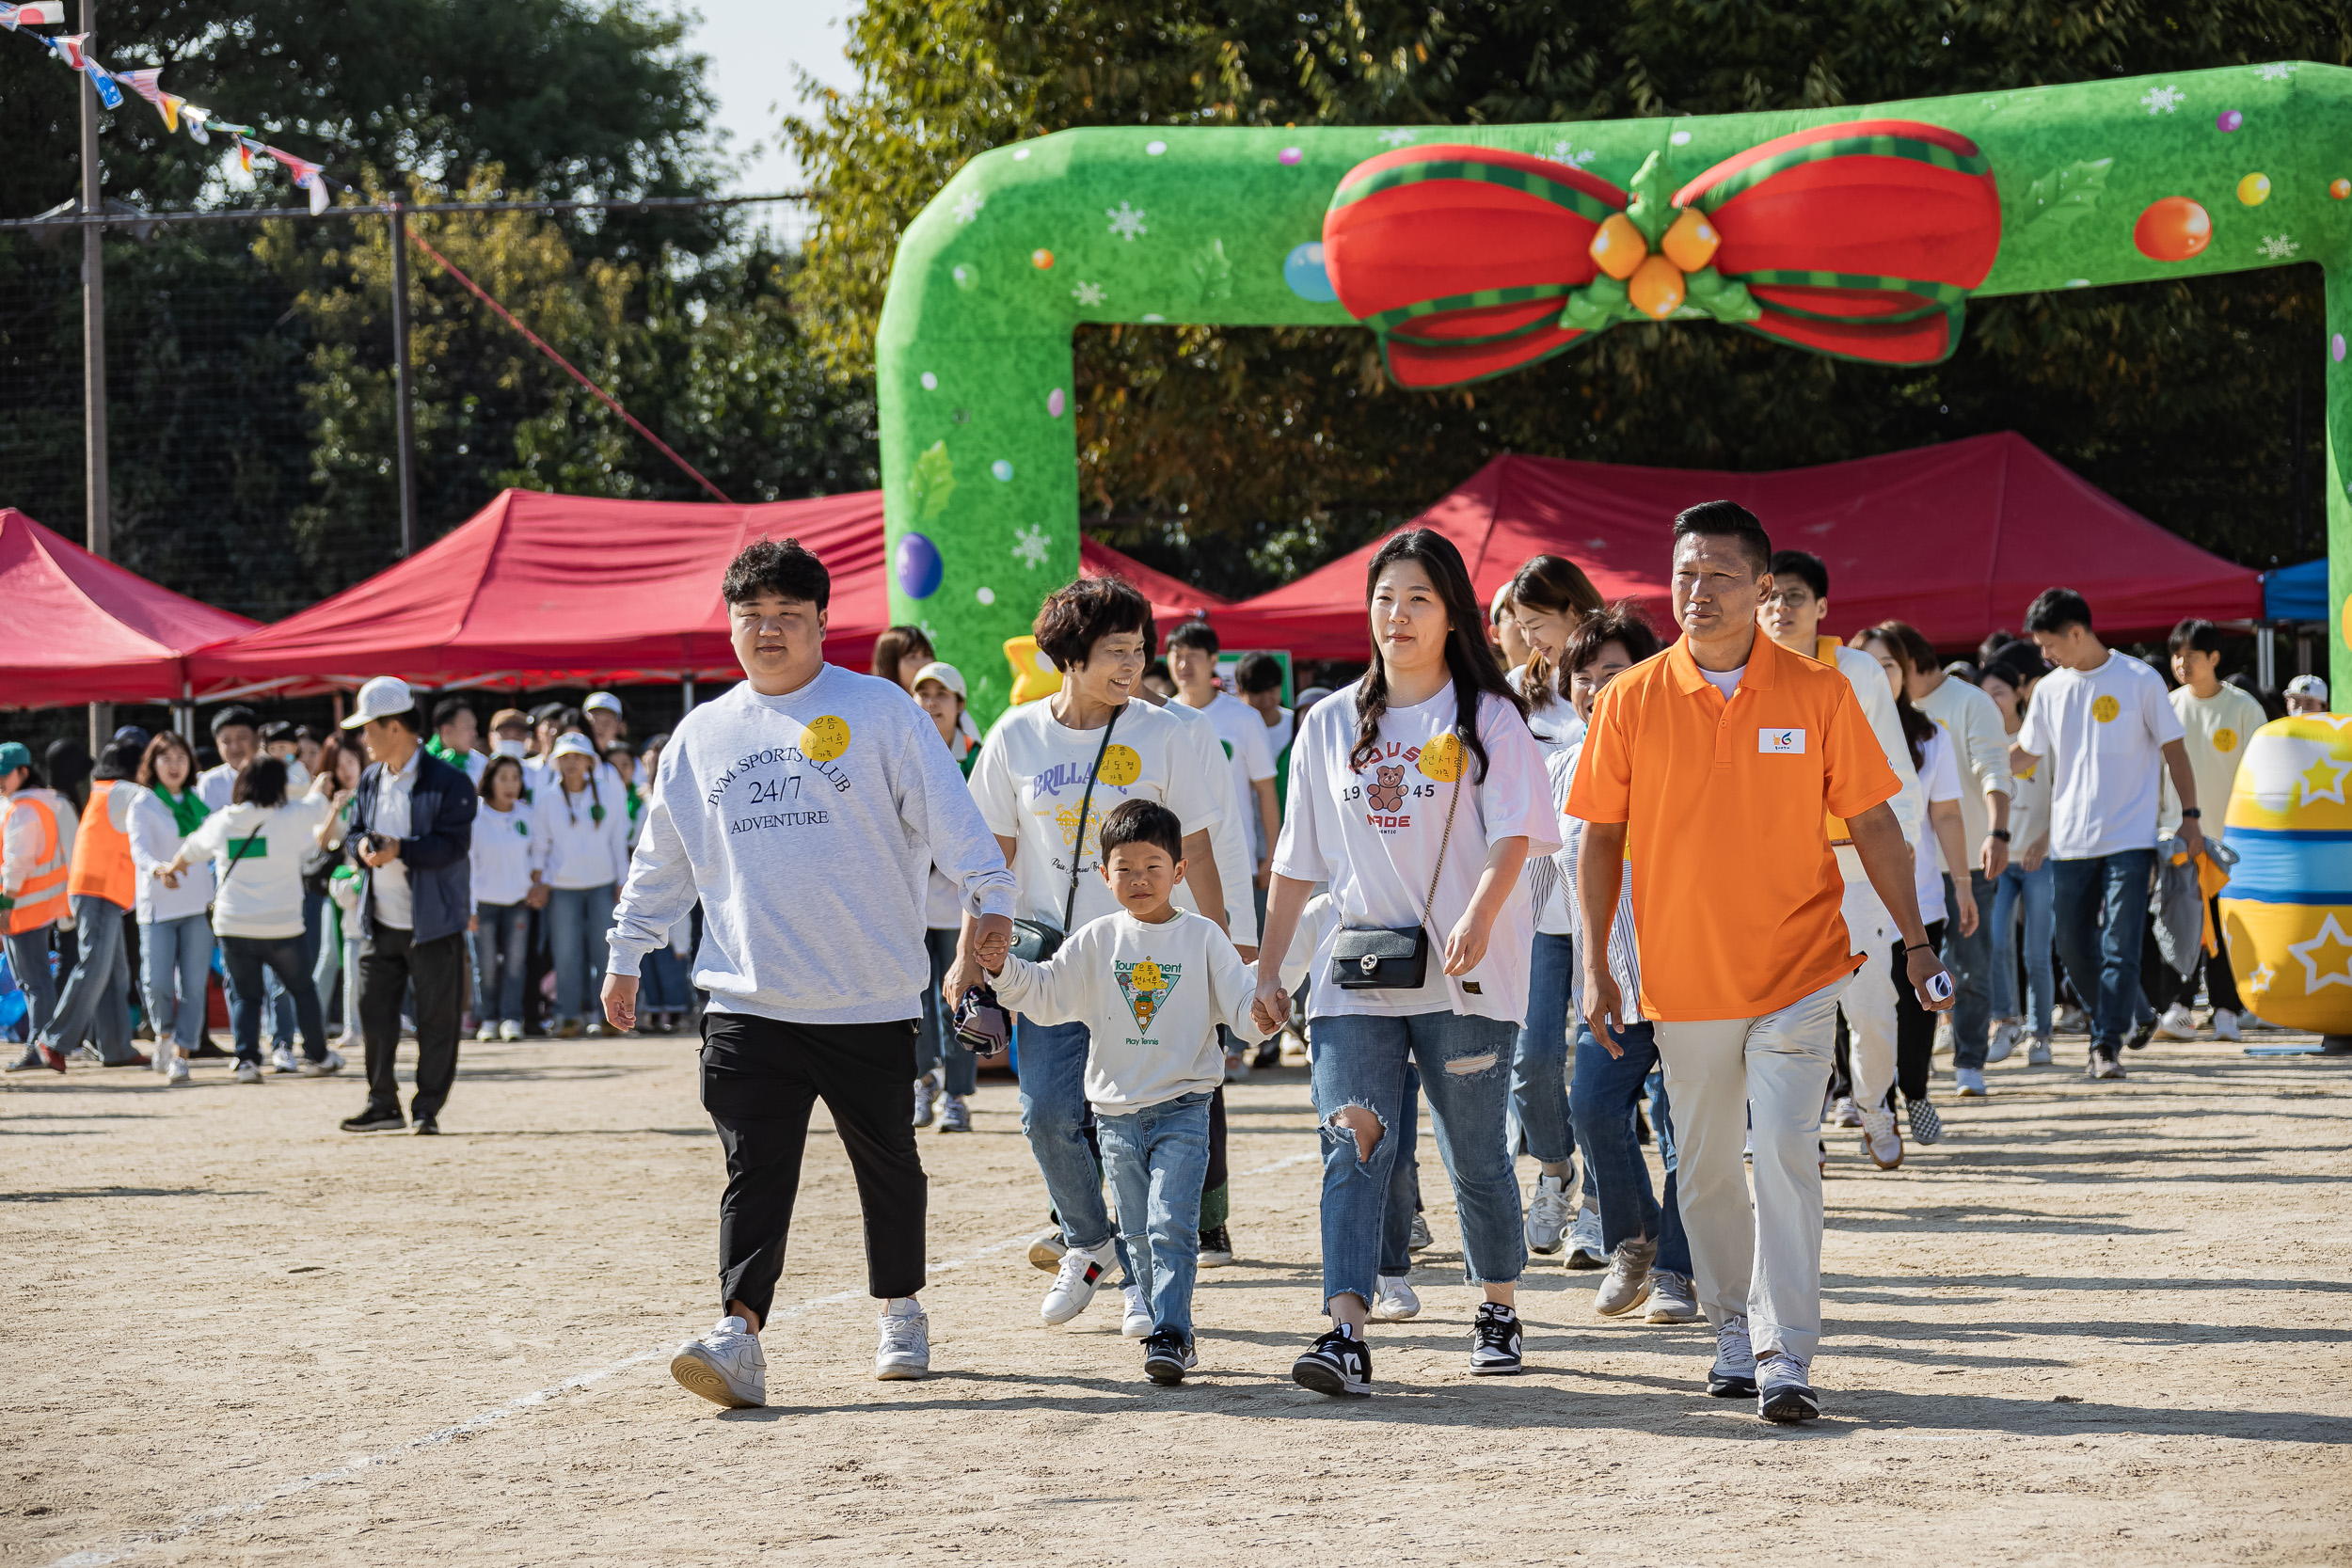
(1250, 752)
(2103, 733)
(1939, 778)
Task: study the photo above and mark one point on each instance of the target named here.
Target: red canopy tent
(85, 630)
(1956, 539)
(542, 590)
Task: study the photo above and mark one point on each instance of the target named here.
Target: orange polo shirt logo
(1735, 894)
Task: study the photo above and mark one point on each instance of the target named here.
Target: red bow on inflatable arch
(1859, 239)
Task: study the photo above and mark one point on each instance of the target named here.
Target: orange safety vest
(102, 852)
(41, 899)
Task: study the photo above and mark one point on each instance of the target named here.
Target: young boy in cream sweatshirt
(1152, 983)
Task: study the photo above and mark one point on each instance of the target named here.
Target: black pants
(1914, 1027)
(388, 962)
(2164, 987)
(760, 1080)
(243, 960)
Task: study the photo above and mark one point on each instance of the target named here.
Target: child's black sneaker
(1336, 1364)
(1168, 1356)
(1495, 1341)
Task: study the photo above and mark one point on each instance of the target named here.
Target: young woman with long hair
(900, 652)
(1417, 794)
(175, 945)
(1549, 598)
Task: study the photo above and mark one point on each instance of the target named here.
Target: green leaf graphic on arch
(933, 480)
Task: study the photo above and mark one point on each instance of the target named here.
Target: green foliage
(2198, 403)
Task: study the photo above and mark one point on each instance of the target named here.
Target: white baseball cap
(380, 699)
(574, 745)
(2308, 686)
(601, 701)
(945, 674)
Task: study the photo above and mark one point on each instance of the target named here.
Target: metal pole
(97, 502)
(404, 411)
(686, 695)
(2266, 657)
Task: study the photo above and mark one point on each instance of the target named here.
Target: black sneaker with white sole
(376, 1118)
(1168, 1356)
(2105, 1061)
(1337, 1363)
(1217, 1248)
(1783, 1392)
(1495, 1342)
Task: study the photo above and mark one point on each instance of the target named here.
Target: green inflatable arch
(1474, 250)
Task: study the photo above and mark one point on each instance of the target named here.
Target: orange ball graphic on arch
(2172, 229)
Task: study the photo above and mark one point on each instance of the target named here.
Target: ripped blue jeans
(1465, 1067)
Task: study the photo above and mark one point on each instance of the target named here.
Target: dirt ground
(2097, 1322)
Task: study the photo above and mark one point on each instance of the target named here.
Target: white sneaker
(596, 1029)
(1547, 1215)
(1136, 1323)
(1945, 1035)
(1073, 1285)
(2038, 1054)
(325, 1066)
(725, 1366)
(176, 1068)
(487, 1032)
(1392, 1299)
(1046, 1249)
(1733, 1376)
(2225, 1026)
(2006, 1034)
(160, 1061)
(1969, 1082)
(926, 1100)
(1845, 1113)
(1584, 1249)
(511, 1030)
(249, 1072)
(1880, 1141)
(284, 1060)
(2178, 1023)
(905, 1350)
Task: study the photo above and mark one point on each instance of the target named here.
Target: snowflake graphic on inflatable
(1568, 152)
(2162, 101)
(1398, 138)
(1030, 547)
(1126, 222)
(968, 206)
(2276, 71)
(2277, 247)
(1089, 293)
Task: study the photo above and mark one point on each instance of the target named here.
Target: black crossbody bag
(1395, 957)
(1033, 940)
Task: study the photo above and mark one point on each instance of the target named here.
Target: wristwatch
(2001, 833)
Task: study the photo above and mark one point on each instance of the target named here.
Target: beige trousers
(1730, 1080)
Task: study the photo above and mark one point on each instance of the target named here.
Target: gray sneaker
(2038, 1054)
(1420, 1241)
(1548, 1215)
(1782, 1393)
(1670, 1298)
(905, 1350)
(725, 1366)
(1584, 1249)
(1628, 1283)
(1733, 1376)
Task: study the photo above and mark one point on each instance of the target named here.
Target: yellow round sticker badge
(1441, 759)
(2104, 709)
(2225, 740)
(1121, 766)
(825, 738)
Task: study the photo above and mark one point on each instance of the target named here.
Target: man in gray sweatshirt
(806, 809)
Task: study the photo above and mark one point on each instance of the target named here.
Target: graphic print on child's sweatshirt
(1146, 986)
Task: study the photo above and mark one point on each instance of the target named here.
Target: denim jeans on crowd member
(177, 955)
(1396, 1217)
(1606, 1091)
(96, 1000)
(327, 962)
(244, 959)
(665, 986)
(577, 920)
(937, 1043)
(1970, 960)
(1053, 1071)
(2099, 911)
(500, 937)
(1540, 1118)
(2031, 892)
(1361, 1060)
(1156, 1159)
(29, 960)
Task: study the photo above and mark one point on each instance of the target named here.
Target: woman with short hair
(900, 652)
(1417, 794)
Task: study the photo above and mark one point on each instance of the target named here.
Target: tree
(2181, 399)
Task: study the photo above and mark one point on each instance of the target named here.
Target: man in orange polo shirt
(1717, 761)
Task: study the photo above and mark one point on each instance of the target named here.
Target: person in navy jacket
(411, 828)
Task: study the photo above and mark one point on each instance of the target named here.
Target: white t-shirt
(2103, 735)
(213, 785)
(587, 833)
(1724, 681)
(2028, 806)
(1032, 777)
(1234, 868)
(154, 834)
(260, 895)
(507, 847)
(1250, 758)
(1979, 751)
(2216, 730)
(1374, 834)
(1939, 776)
(1554, 724)
(1150, 997)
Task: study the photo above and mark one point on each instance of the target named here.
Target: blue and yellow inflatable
(2287, 910)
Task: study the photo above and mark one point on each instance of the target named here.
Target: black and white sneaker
(1783, 1393)
(1495, 1342)
(2104, 1063)
(1168, 1356)
(1338, 1363)
(375, 1119)
(1733, 1375)
(1217, 1248)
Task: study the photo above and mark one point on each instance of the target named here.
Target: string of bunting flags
(177, 111)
